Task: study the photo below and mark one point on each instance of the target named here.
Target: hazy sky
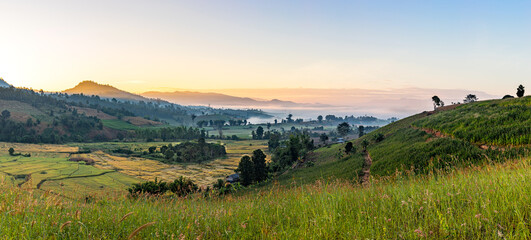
(149, 45)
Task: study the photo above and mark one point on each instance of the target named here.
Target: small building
(340, 140)
(233, 178)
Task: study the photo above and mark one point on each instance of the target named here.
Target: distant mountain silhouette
(105, 91)
(218, 99)
(4, 84)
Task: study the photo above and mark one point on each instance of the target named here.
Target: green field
(478, 203)
(53, 172)
(204, 174)
(509, 122)
(48, 167)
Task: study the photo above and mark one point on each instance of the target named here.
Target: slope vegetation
(455, 136)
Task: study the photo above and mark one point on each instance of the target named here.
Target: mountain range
(104, 91)
(219, 100)
(181, 97)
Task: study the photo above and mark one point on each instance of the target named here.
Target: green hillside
(454, 136)
(424, 183)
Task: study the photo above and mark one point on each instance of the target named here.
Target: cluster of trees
(352, 119)
(189, 152)
(520, 91)
(437, 102)
(181, 187)
(253, 169)
(287, 152)
(12, 152)
(170, 133)
(76, 128)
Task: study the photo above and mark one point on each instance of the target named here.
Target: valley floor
(489, 202)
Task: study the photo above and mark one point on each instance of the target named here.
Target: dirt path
(439, 134)
(366, 168)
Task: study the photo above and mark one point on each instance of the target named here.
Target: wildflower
(478, 215)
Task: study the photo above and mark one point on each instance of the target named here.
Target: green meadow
(488, 202)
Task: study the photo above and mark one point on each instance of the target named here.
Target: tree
(246, 171)
(289, 118)
(361, 131)
(6, 114)
(343, 129)
(320, 118)
(11, 151)
(169, 154)
(323, 138)
(365, 144)
(507, 96)
(260, 132)
(470, 98)
(218, 124)
(260, 167)
(152, 149)
(437, 102)
(193, 117)
(379, 137)
(520, 91)
(268, 126)
(349, 148)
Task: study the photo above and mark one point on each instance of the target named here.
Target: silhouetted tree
(320, 118)
(268, 126)
(361, 131)
(470, 98)
(343, 129)
(246, 171)
(259, 132)
(6, 114)
(349, 148)
(365, 144)
(507, 96)
(520, 91)
(379, 137)
(437, 102)
(260, 167)
(323, 138)
(289, 118)
(11, 151)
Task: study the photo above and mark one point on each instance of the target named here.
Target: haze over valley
(265, 119)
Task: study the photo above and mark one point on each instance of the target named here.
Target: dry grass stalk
(64, 225)
(125, 217)
(134, 233)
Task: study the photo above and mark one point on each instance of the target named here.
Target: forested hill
(105, 96)
(38, 117)
(453, 136)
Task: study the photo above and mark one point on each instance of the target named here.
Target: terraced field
(48, 169)
(202, 173)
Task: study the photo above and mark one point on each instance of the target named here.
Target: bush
(180, 187)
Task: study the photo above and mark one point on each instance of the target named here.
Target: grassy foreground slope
(472, 203)
(455, 136)
(495, 122)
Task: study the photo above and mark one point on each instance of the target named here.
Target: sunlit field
(48, 167)
(204, 174)
(489, 202)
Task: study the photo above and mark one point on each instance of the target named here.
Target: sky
(152, 45)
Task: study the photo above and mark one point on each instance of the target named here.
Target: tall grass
(493, 201)
(497, 122)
